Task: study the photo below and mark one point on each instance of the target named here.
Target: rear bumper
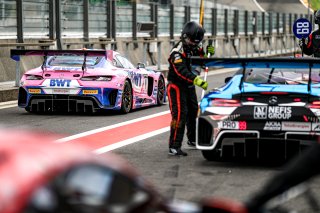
(210, 137)
(305, 138)
(65, 103)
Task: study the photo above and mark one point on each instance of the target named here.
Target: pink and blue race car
(87, 81)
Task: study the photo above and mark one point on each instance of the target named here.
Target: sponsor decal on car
(260, 112)
(60, 83)
(272, 112)
(90, 92)
(272, 125)
(34, 91)
(60, 91)
(315, 127)
(227, 124)
(296, 126)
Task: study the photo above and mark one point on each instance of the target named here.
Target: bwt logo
(59, 82)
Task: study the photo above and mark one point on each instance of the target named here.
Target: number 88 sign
(302, 28)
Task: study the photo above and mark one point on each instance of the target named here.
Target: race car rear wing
(16, 53)
(258, 63)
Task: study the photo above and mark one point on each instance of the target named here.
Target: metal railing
(86, 19)
(68, 24)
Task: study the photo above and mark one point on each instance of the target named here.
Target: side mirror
(141, 65)
(227, 79)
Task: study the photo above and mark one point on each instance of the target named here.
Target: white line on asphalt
(130, 141)
(8, 104)
(83, 134)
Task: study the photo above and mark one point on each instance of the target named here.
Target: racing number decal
(137, 80)
(238, 125)
(303, 28)
(242, 125)
(140, 81)
(145, 83)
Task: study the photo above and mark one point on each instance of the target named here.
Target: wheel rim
(127, 98)
(161, 88)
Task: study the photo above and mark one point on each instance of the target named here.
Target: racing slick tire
(161, 91)
(126, 103)
(212, 155)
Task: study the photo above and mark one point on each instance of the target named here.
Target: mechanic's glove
(302, 43)
(210, 50)
(200, 83)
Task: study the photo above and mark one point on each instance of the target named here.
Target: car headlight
(96, 78)
(34, 77)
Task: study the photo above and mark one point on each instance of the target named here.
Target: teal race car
(269, 108)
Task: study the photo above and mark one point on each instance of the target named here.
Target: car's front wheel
(126, 103)
(161, 91)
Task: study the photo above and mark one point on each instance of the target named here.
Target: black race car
(268, 108)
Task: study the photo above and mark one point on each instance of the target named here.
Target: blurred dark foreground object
(38, 175)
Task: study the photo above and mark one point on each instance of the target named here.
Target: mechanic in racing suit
(313, 41)
(181, 86)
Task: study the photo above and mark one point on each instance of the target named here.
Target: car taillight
(273, 93)
(314, 105)
(96, 78)
(225, 102)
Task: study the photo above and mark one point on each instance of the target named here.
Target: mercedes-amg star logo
(273, 100)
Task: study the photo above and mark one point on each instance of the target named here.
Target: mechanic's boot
(177, 152)
(191, 143)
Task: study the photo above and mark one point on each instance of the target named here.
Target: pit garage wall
(76, 24)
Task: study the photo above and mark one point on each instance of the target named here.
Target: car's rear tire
(211, 155)
(126, 103)
(161, 91)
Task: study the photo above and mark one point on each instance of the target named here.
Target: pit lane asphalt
(187, 178)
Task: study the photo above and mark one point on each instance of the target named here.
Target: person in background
(313, 41)
(181, 86)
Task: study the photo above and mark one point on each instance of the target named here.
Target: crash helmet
(317, 17)
(192, 34)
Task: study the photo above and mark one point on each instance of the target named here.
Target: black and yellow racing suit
(182, 93)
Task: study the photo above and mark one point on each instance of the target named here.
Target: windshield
(281, 76)
(73, 61)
